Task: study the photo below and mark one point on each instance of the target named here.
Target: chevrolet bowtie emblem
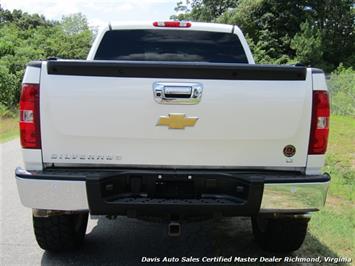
(177, 121)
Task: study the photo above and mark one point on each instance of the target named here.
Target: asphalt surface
(122, 241)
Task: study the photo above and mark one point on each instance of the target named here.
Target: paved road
(122, 241)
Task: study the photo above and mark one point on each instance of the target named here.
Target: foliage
(6, 112)
(202, 10)
(313, 32)
(307, 45)
(27, 37)
(8, 88)
(342, 90)
(335, 19)
(74, 24)
(23, 20)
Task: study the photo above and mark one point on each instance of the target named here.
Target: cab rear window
(171, 45)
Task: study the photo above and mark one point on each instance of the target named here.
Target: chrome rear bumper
(72, 190)
(294, 197)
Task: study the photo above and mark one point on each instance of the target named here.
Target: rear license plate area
(175, 189)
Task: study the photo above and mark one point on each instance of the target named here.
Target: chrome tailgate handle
(177, 93)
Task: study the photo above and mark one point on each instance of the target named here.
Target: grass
(333, 227)
(340, 159)
(8, 128)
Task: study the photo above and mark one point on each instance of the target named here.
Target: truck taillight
(30, 131)
(172, 24)
(320, 123)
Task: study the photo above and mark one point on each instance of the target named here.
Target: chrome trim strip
(294, 197)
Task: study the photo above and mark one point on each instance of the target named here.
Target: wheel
(60, 232)
(281, 234)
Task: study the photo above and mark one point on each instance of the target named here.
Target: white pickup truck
(172, 120)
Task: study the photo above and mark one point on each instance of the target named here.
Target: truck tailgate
(99, 113)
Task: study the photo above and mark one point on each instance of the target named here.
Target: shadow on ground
(125, 241)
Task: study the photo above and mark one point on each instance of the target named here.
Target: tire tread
(280, 235)
(58, 232)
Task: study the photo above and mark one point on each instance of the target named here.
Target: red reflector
(172, 24)
(30, 131)
(320, 123)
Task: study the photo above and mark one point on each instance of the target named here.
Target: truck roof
(200, 26)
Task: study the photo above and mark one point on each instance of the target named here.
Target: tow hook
(174, 229)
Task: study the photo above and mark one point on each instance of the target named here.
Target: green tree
(274, 26)
(308, 45)
(27, 37)
(335, 20)
(22, 19)
(202, 10)
(74, 24)
(270, 24)
(9, 92)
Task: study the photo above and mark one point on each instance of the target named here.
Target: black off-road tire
(279, 235)
(60, 232)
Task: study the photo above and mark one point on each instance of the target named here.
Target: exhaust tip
(174, 229)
